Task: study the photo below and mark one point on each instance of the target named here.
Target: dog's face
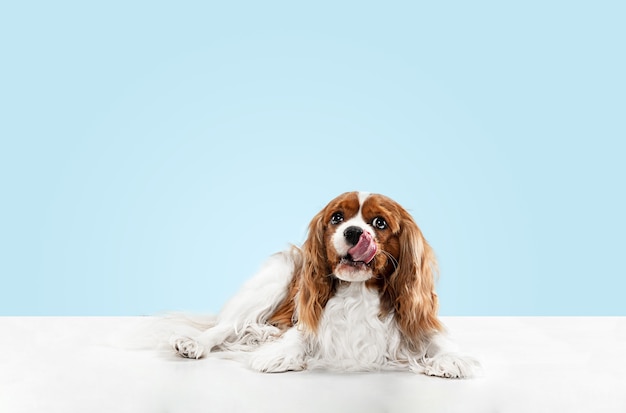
(361, 235)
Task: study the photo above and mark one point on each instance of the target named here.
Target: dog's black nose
(353, 234)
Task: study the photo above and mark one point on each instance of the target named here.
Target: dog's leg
(442, 360)
(246, 312)
(287, 353)
(194, 348)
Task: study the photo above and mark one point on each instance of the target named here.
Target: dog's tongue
(364, 250)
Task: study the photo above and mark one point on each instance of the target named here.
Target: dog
(358, 295)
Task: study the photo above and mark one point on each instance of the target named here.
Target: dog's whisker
(393, 259)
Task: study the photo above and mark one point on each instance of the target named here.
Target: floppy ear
(315, 281)
(412, 285)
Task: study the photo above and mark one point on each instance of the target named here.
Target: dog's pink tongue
(365, 249)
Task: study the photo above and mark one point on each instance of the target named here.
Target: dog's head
(362, 237)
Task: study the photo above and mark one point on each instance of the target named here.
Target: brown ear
(316, 283)
(412, 286)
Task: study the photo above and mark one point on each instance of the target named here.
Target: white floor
(531, 365)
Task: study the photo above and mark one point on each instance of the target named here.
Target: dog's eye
(336, 218)
(379, 222)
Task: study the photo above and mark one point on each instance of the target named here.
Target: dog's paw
(451, 366)
(187, 347)
(276, 363)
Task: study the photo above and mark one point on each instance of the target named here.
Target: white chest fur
(351, 334)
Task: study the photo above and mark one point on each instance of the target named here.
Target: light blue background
(153, 154)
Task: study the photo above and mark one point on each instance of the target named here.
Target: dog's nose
(353, 234)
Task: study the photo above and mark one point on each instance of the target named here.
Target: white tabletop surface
(59, 364)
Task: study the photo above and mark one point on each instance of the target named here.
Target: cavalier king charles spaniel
(357, 296)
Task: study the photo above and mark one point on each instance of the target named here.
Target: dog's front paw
(451, 366)
(187, 347)
(276, 363)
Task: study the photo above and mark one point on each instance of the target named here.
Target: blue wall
(153, 155)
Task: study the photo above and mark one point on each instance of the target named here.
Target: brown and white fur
(357, 296)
